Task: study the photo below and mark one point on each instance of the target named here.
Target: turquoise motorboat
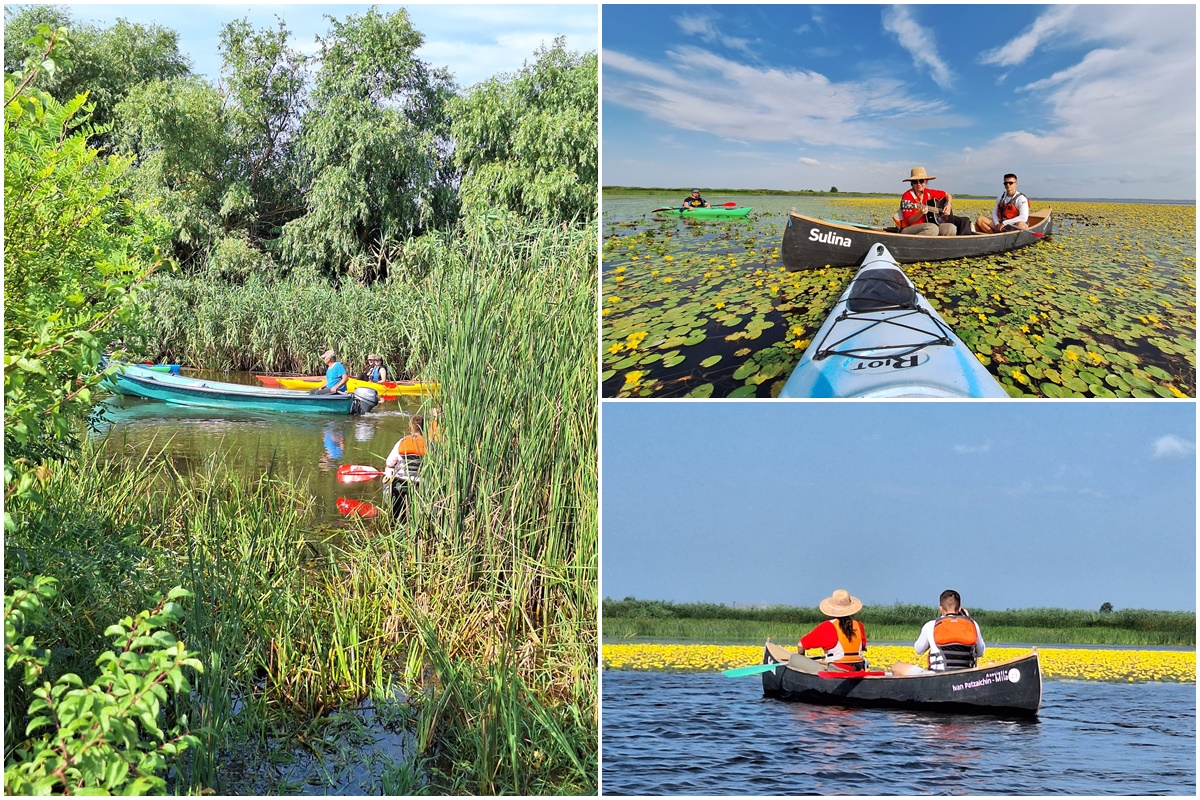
(135, 381)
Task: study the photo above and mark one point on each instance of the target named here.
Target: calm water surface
(307, 447)
(694, 734)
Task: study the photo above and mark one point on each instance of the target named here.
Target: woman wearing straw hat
(841, 637)
(916, 217)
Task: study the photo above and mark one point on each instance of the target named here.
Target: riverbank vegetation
(1124, 666)
(369, 205)
(709, 622)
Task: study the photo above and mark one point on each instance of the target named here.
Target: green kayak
(717, 211)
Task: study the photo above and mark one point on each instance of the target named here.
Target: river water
(306, 447)
(703, 734)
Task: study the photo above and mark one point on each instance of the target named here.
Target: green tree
(373, 149)
(107, 63)
(75, 255)
(263, 86)
(528, 142)
(177, 131)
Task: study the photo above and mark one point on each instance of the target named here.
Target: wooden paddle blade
(754, 669)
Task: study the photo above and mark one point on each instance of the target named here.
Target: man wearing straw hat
(926, 212)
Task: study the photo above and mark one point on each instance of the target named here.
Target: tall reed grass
(482, 604)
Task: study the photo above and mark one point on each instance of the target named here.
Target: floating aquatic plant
(1105, 307)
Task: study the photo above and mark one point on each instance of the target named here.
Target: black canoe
(1009, 689)
(810, 243)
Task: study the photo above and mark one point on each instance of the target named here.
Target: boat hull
(810, 243)
(896, 351)
(710, 212)
(387, 390)
(136, 382)
(1010, 689)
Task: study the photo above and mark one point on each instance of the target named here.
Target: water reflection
(304, 448)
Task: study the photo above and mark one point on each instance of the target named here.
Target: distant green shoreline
(709, 622)
(648, 192)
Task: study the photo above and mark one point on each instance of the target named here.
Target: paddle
(753, 669)
(356, 508)
(677, 208)
(352, 473)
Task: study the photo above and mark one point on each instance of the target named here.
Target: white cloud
(696, 90)
(706, 29)
(1119, 121)
(918, 42)
(1171, 446)
(812, 162)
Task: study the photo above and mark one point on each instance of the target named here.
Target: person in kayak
(403, 464)
(695, 200)
(927, 212)
(375, 371)
(842, 637)
(1011, 211)
(335, 375)
(953, 640)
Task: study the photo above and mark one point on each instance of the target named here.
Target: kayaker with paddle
(927, 212)
(1011, 211)
(403, 463)
(953, 640)
(335, 375)
(842, 637)
(695, 200)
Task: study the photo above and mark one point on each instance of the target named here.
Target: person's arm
(819, 637)
(980, 647)
(925, 639)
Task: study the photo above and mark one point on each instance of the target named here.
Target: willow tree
(528, 142)
(373, 150)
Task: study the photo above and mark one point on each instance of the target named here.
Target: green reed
(482, 604)
(732, 631)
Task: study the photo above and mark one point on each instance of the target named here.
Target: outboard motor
(364, 400)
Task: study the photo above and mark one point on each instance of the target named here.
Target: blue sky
(474, 42)
(1015, 505)
(1094, 101)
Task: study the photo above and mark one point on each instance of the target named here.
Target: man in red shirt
(924, 211)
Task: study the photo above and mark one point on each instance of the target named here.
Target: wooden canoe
(811, 243)
(1010, 688)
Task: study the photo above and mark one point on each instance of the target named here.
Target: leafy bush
(109, 737)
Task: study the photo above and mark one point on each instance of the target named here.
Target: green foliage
(106, 63)
(177, 131)
(527, 143)
(373, 148)
(75, 255)
(108, 737)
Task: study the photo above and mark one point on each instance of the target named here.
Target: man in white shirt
(953, 640)
(1011, 211)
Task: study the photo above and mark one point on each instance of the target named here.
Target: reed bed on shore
(480, 608)
(1061, 664)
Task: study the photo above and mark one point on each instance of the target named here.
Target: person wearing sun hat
(926, 212)
(335, 375)
(842, 638)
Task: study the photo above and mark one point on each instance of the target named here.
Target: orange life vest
(851, 646)
(956, 636)
(412, 445)
(1008, 209)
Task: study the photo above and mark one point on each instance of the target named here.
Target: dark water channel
(690, 734)
(307, 447)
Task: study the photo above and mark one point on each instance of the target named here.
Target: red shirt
(912, 210)
(825, 637)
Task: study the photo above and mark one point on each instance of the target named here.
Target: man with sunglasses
(926, 212)
(1011, 212)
